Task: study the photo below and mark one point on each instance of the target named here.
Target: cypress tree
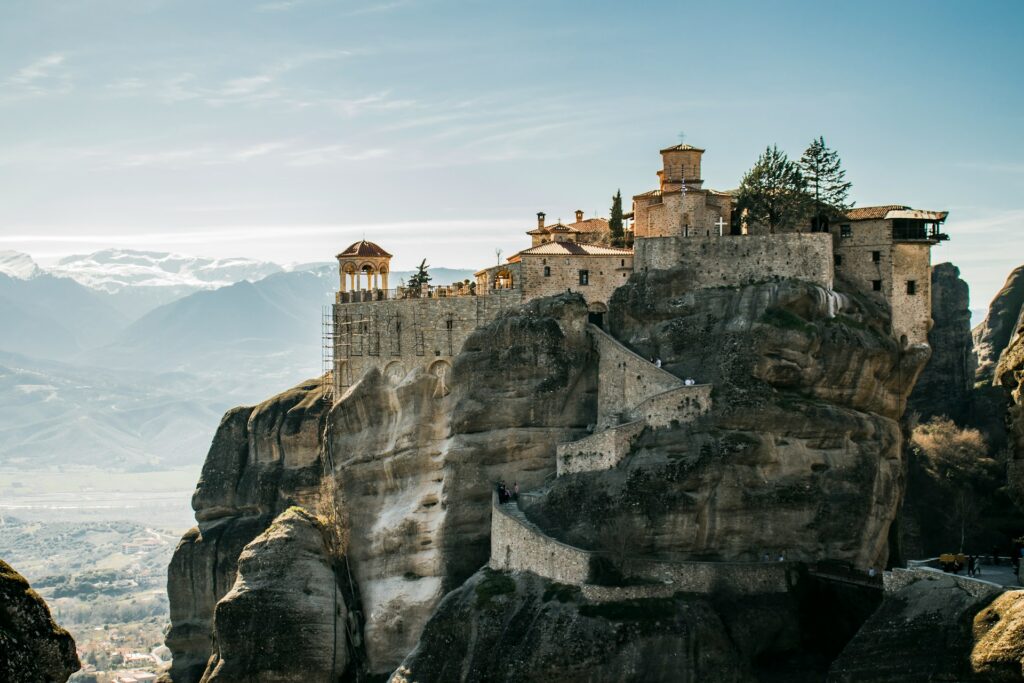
(615, 229)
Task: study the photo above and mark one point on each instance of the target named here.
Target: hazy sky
(286, 129)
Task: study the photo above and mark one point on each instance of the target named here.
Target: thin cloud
(281, 6)
(45, 76)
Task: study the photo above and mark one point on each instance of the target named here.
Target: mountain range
(126, 360)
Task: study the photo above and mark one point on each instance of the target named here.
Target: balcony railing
(425, 292)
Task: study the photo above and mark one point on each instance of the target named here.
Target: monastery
(881, 252)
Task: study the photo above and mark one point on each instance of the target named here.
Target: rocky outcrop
(33, 649)
(993, 335)
(921, 632)
(1010, 376)
(284, 619)
(801, 454)
(411, 469)
(946, 383)
(998, 653)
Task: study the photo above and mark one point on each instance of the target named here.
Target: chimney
(540, 219)
(579, 215)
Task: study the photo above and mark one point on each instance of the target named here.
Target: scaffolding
(341, 339)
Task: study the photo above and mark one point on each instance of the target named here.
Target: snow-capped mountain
(18, 265)
(112, 270)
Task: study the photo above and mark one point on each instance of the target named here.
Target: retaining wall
(735, 260)
(680, 405)
(601, 451)
(898, 578)
(625, 380)
(518, 545)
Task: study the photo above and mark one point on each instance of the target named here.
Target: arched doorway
(596, 312)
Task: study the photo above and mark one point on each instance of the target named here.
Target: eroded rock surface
(33, 649)
(947, 381)
(993, 335)
(998, 653)
(284, 619)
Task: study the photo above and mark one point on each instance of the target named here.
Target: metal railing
(426, 292)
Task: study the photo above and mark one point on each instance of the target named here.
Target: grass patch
(642, 609)
(492, 585)
(786, 320)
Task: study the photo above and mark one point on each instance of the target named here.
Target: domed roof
(363, 248)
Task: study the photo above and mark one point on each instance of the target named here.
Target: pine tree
(420, 277)
(826, 183)
(615, 229)
(774, 193)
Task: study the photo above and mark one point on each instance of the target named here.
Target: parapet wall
(625, 380)
(600, 451)
(736, 260)
(675, 406)
(397, 335)
(898, 578)
(519, 545)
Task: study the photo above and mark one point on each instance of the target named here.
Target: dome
(364, 248)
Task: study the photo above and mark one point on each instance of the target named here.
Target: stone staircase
(632, 394)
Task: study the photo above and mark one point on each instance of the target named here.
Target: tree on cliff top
(774, 192)
(421, 276)
(826, 182)
(615, 229)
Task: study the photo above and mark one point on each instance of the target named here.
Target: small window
(911, 286)
(544, 261)
(547, 271)
(876, 256)
(838, 258)
(623, 263)
(584, 277)
(876, 285)
(845, 230)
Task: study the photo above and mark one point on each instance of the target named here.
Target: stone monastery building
(882, 252)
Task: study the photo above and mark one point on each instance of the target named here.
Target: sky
(286, 129)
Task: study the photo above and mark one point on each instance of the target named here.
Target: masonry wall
(675, 406)
(625, 380)
(605, 275)
(897, 263)
(517, 545)
(601, 451)
(397, 335)
(736, 260)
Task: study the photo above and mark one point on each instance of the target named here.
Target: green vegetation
(615, 229)
(642, 609)
(786, 320)
(492, 585)
(421, 276)
(826, 183)
(774, 192)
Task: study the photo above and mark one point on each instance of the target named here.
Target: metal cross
(721, 226)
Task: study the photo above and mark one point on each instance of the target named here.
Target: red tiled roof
(867, 213)
(590, 225)
(574, 249)
(363, 248)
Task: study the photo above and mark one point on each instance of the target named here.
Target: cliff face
(33, 649)
(410, 466)
(1010, 375)
(993, 335)
(945, 386)
(800, 455)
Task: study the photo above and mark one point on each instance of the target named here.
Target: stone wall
(626, 380)
(518, 545)
(397, 336)
(898, 578)
(605, 274)
(675, 406)
(601, 451)
(736, 260)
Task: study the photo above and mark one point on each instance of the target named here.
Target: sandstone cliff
(33, 649)
(993, 335)
(1010, 375)
(946, 384)
(412, 470)
(800, 455)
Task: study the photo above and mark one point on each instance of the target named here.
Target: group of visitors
(689, 381)
(505, 494)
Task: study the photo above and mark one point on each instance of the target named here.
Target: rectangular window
(584, 277)
(911, 287)
(845, 230)
(547, 271)
(876, 285)
(838, 259)
(876, 256)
